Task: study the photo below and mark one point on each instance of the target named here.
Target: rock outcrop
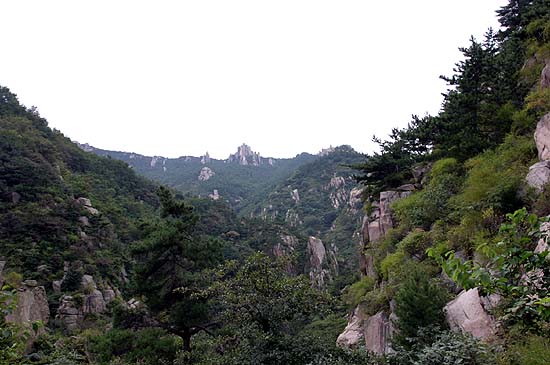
(353, 335)
(542, 137)
(374, 332)
(87, 205)
(545, 76)
(539, 173)
(468, 313)
(378, 331)
(205, 174)
(68, 314)
(317, 260)
(245, 156)
(93, 300)
(215, 195)
(32, 306)
(376, 225)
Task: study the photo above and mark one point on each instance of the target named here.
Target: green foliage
(12, 342)
(446, 348)
(494, 177)
(527, 350)
(512, 270)
(354, 293)
(419, 305)
(149, 346)
(423, 208)
(169, 269)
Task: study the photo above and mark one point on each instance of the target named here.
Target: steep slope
(62, 205)
(321, 201)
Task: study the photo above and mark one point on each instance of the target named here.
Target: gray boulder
(468, 313)
(353, 335)
(545, 76)
(32, 306)
(542, 137)
(539, 175)
(378, 331)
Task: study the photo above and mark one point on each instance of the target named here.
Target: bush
(530, 350)
(418, 304)
(355, 292)
(447, 348)
(148, 346)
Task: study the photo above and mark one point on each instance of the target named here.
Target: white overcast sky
(176, 78)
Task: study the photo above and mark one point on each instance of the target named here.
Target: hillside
(235, 180)
(433, 250)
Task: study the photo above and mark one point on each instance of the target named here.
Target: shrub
(419, 304)
(147, 346)
(355, 293)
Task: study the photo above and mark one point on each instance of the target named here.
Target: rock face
(373, 332)
(93, 301)
(338, 194)
(468, 313)
(215, 195)
(545, 76)
(542, 137)
(205, 159)
(353, 335)
(32, 306)
(87, 205)
(245, 156)
(378, 331)
(317, 258)
(376, 225)
(539, 175)
(68, 314)
(206, 173)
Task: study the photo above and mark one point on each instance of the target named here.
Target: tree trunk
(186, 336)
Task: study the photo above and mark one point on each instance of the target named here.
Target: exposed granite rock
(419, 172)
(354, 333)
(286, 246)
(317, 258)
(355, 200)
(468, 313)
(84, 221)
(68, 314)
(32, 306)
(245, 156)
(109, 295)
(539, 175)
(378, 331)
(542, 137)
(94, 302)
(326, 151)
(206, 173)
(56, 286)
(15, 197)
(87, 205)
(545, 76)
(542, 245)
(215, 195)
(295, 195)
(373, 332)
(205, 159)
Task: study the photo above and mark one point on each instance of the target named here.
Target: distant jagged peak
(205, 159)
(247, 157)
(331, 149)
(85, 147)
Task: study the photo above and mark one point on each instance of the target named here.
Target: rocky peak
(245, 156)
(205, 159)
(326, 151)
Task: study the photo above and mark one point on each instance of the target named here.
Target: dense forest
(433, 250)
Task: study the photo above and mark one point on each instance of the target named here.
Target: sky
(176, 78)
